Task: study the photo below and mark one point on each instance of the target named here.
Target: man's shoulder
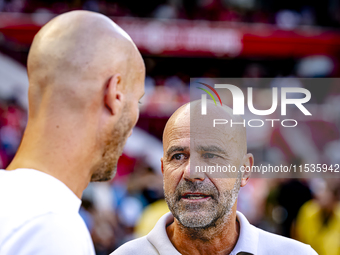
(52, 232)
(23, 206)
(139, 246)
(269, 242)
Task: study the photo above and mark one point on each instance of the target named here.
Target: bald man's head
(86, 77)
(76, 50)
(189, 115)
(200, 190)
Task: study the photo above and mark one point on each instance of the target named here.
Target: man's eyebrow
(211, 148)
(172, 149)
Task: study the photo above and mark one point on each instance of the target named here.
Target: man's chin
(101, 176)
(196, 219)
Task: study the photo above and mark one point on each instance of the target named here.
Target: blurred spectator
(150, 216)
(165, 11)
(318, 221)
(292, 194)
(287, 15)
(12, 124)
(288, 20)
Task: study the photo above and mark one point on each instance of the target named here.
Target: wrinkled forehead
(189, 127)
(205, 129)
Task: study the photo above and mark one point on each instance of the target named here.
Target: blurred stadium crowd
(129, 206)
(283, 13)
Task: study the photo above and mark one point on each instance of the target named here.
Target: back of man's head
(73, 55)
(86, 77)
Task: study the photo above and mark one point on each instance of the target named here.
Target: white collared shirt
(39, 216)
(251, 241)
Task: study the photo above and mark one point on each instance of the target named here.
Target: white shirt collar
(248, 239)
(246, 243)
(159, 238)
(49, 189)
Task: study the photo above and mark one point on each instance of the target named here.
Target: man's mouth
(195, 196)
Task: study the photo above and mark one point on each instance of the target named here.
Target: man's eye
(209, 155)
(178, 156)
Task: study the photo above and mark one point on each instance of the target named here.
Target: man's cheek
(175, 167)
(170, 183)
(167, 188)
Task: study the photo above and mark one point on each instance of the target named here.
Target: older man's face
(198, 200)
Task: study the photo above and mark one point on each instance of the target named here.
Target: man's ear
(248, 162)
(162, 167)
(113, 98)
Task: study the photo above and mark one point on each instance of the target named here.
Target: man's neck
(219, 239)
(56, 153)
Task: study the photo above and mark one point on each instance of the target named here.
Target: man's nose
(190, 173)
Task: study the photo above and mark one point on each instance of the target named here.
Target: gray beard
(204, 215)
